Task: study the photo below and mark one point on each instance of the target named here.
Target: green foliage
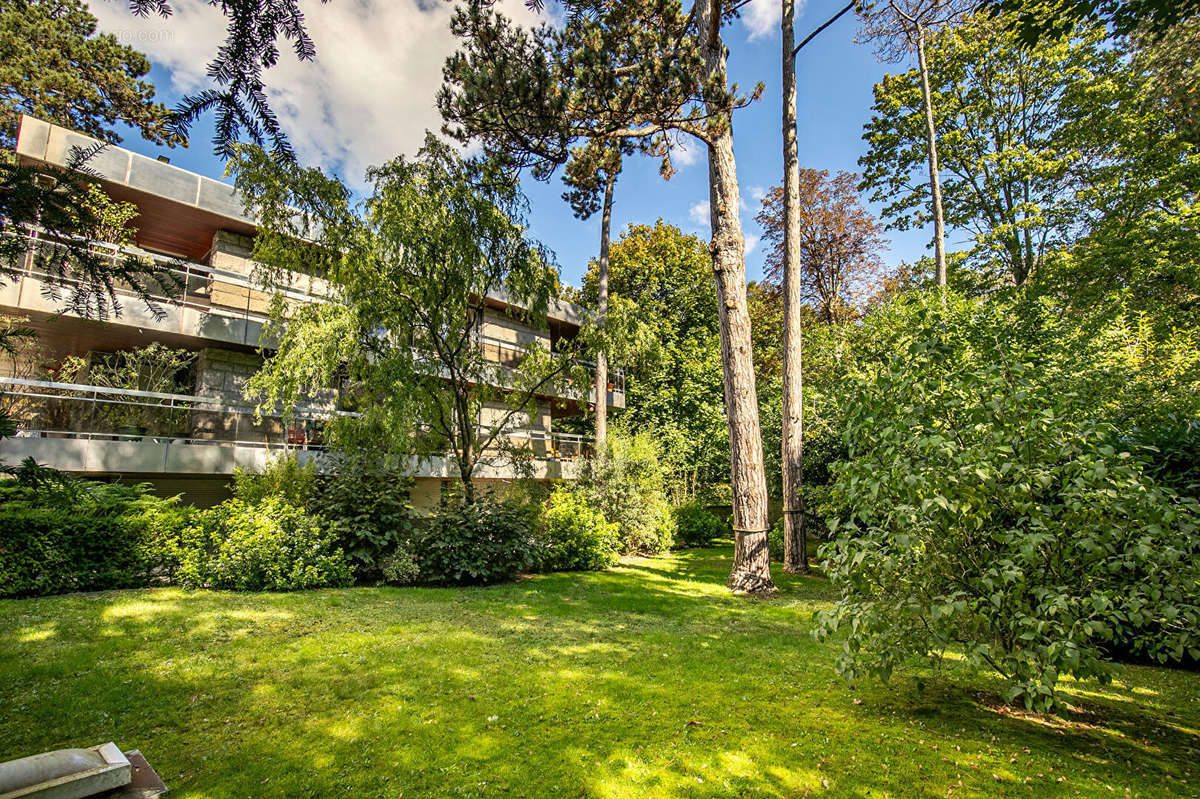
(1019, 130)
(366, 501)
(696, 526)
(155, 367)
(399, 567)
(59, 535)
(283, 478)
(627, 481)
(54, 66)
(1038, 20)
(1171, 452)
(269, 546)
(463, 229)
(574, 535)
(470, 543)
(983, 506)
(530, 92)
(673, 389)
(50, 551)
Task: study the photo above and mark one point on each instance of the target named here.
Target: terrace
(95, 429)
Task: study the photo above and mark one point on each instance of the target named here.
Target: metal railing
(204, 288)
(239, 296)
(47, 409)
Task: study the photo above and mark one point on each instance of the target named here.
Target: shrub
(399, 567)
(574, 536)
(696, 526)
(627, 482)
(58, 534)
(983, 509)
(47, 551)
(775, 541)
(367, 503)
(283, 478)
(269, 546)
(484, 541)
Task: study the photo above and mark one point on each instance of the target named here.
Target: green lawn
(644, 681)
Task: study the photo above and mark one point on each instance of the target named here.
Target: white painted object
(65, 773)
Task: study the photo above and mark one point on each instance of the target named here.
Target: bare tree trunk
(751, 563)
(795, 556)
(935, 184)
(466, 457)
(601, 315)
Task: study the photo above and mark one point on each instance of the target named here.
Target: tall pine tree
(635, 69)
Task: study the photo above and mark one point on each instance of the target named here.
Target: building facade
(190, 438)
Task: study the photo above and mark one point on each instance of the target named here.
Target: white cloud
(700, 214)
(751, 240)
(686, 151)
(761, 18)
(367, 97)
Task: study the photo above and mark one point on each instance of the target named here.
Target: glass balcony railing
(45, 409)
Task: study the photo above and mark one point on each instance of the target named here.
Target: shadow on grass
(648, 680)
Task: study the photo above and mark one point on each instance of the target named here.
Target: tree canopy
(1020, 143)
(673, 388)
(840, 243)
(55, 66)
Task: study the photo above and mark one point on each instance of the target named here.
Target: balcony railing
(204, 288)
(46, 409)
(238, 296)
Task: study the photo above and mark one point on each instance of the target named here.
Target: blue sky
(369, 95)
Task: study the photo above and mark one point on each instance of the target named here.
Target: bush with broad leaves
(984, 509)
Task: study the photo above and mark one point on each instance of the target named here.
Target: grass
(644, 681)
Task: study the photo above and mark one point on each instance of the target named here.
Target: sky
(369, 96)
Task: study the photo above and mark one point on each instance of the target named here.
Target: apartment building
(190, 439)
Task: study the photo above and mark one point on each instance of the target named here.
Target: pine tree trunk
(795, 559)
(751, 565)
(935, 184)
(601, 430)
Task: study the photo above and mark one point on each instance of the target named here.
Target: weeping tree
(412, 270)
(899, 28)
(639, 69)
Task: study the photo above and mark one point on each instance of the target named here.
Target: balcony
(224, 306)
(509, 354)
(214, 304)
(92, 429)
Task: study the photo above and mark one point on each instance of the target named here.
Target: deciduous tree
(1024, 132)
(839, 243)
(673, 388)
